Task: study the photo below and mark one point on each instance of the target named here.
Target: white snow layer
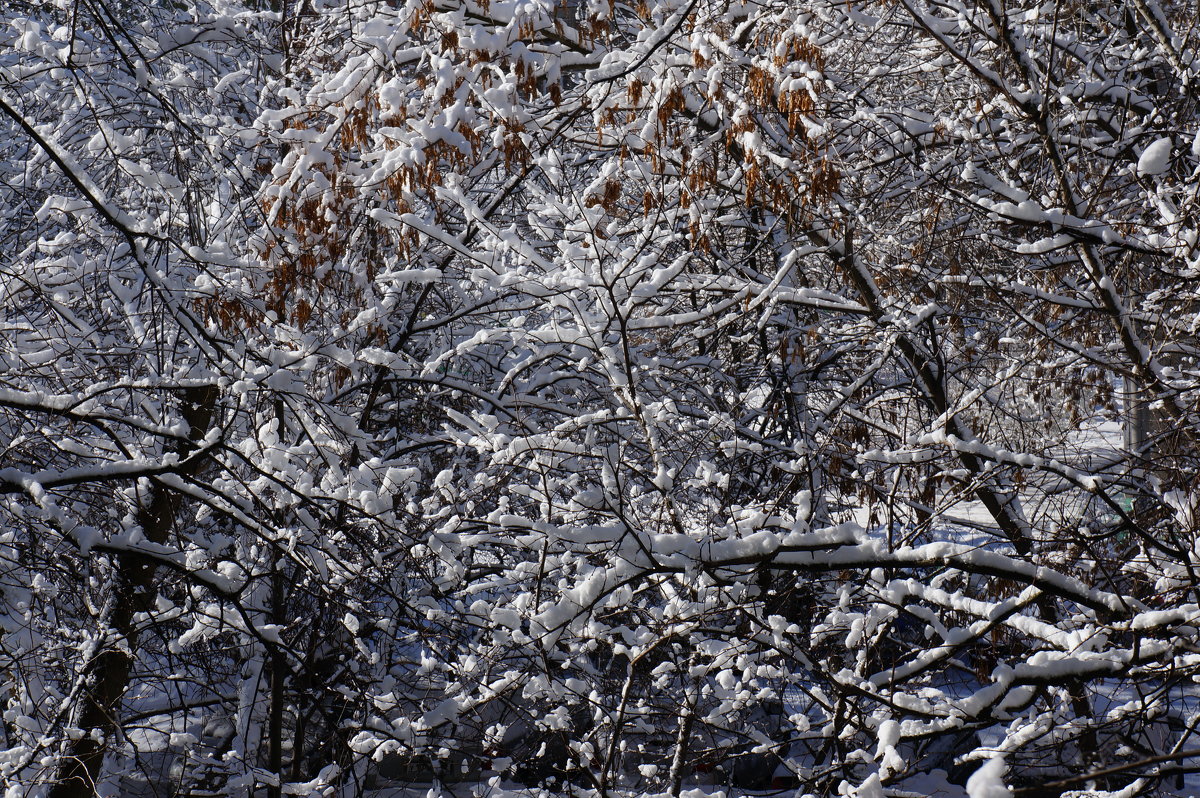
(988, 781)
(1155, 157)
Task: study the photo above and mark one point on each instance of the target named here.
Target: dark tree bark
(133, 590)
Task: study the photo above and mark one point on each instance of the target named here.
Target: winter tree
(598, 397)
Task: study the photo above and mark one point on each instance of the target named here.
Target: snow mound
(1154, 158)
(988, 781)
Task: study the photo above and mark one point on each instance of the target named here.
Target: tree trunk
(278, 687)
(683, 734)
(133, 591)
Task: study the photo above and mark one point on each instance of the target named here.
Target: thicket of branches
(597, 395)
